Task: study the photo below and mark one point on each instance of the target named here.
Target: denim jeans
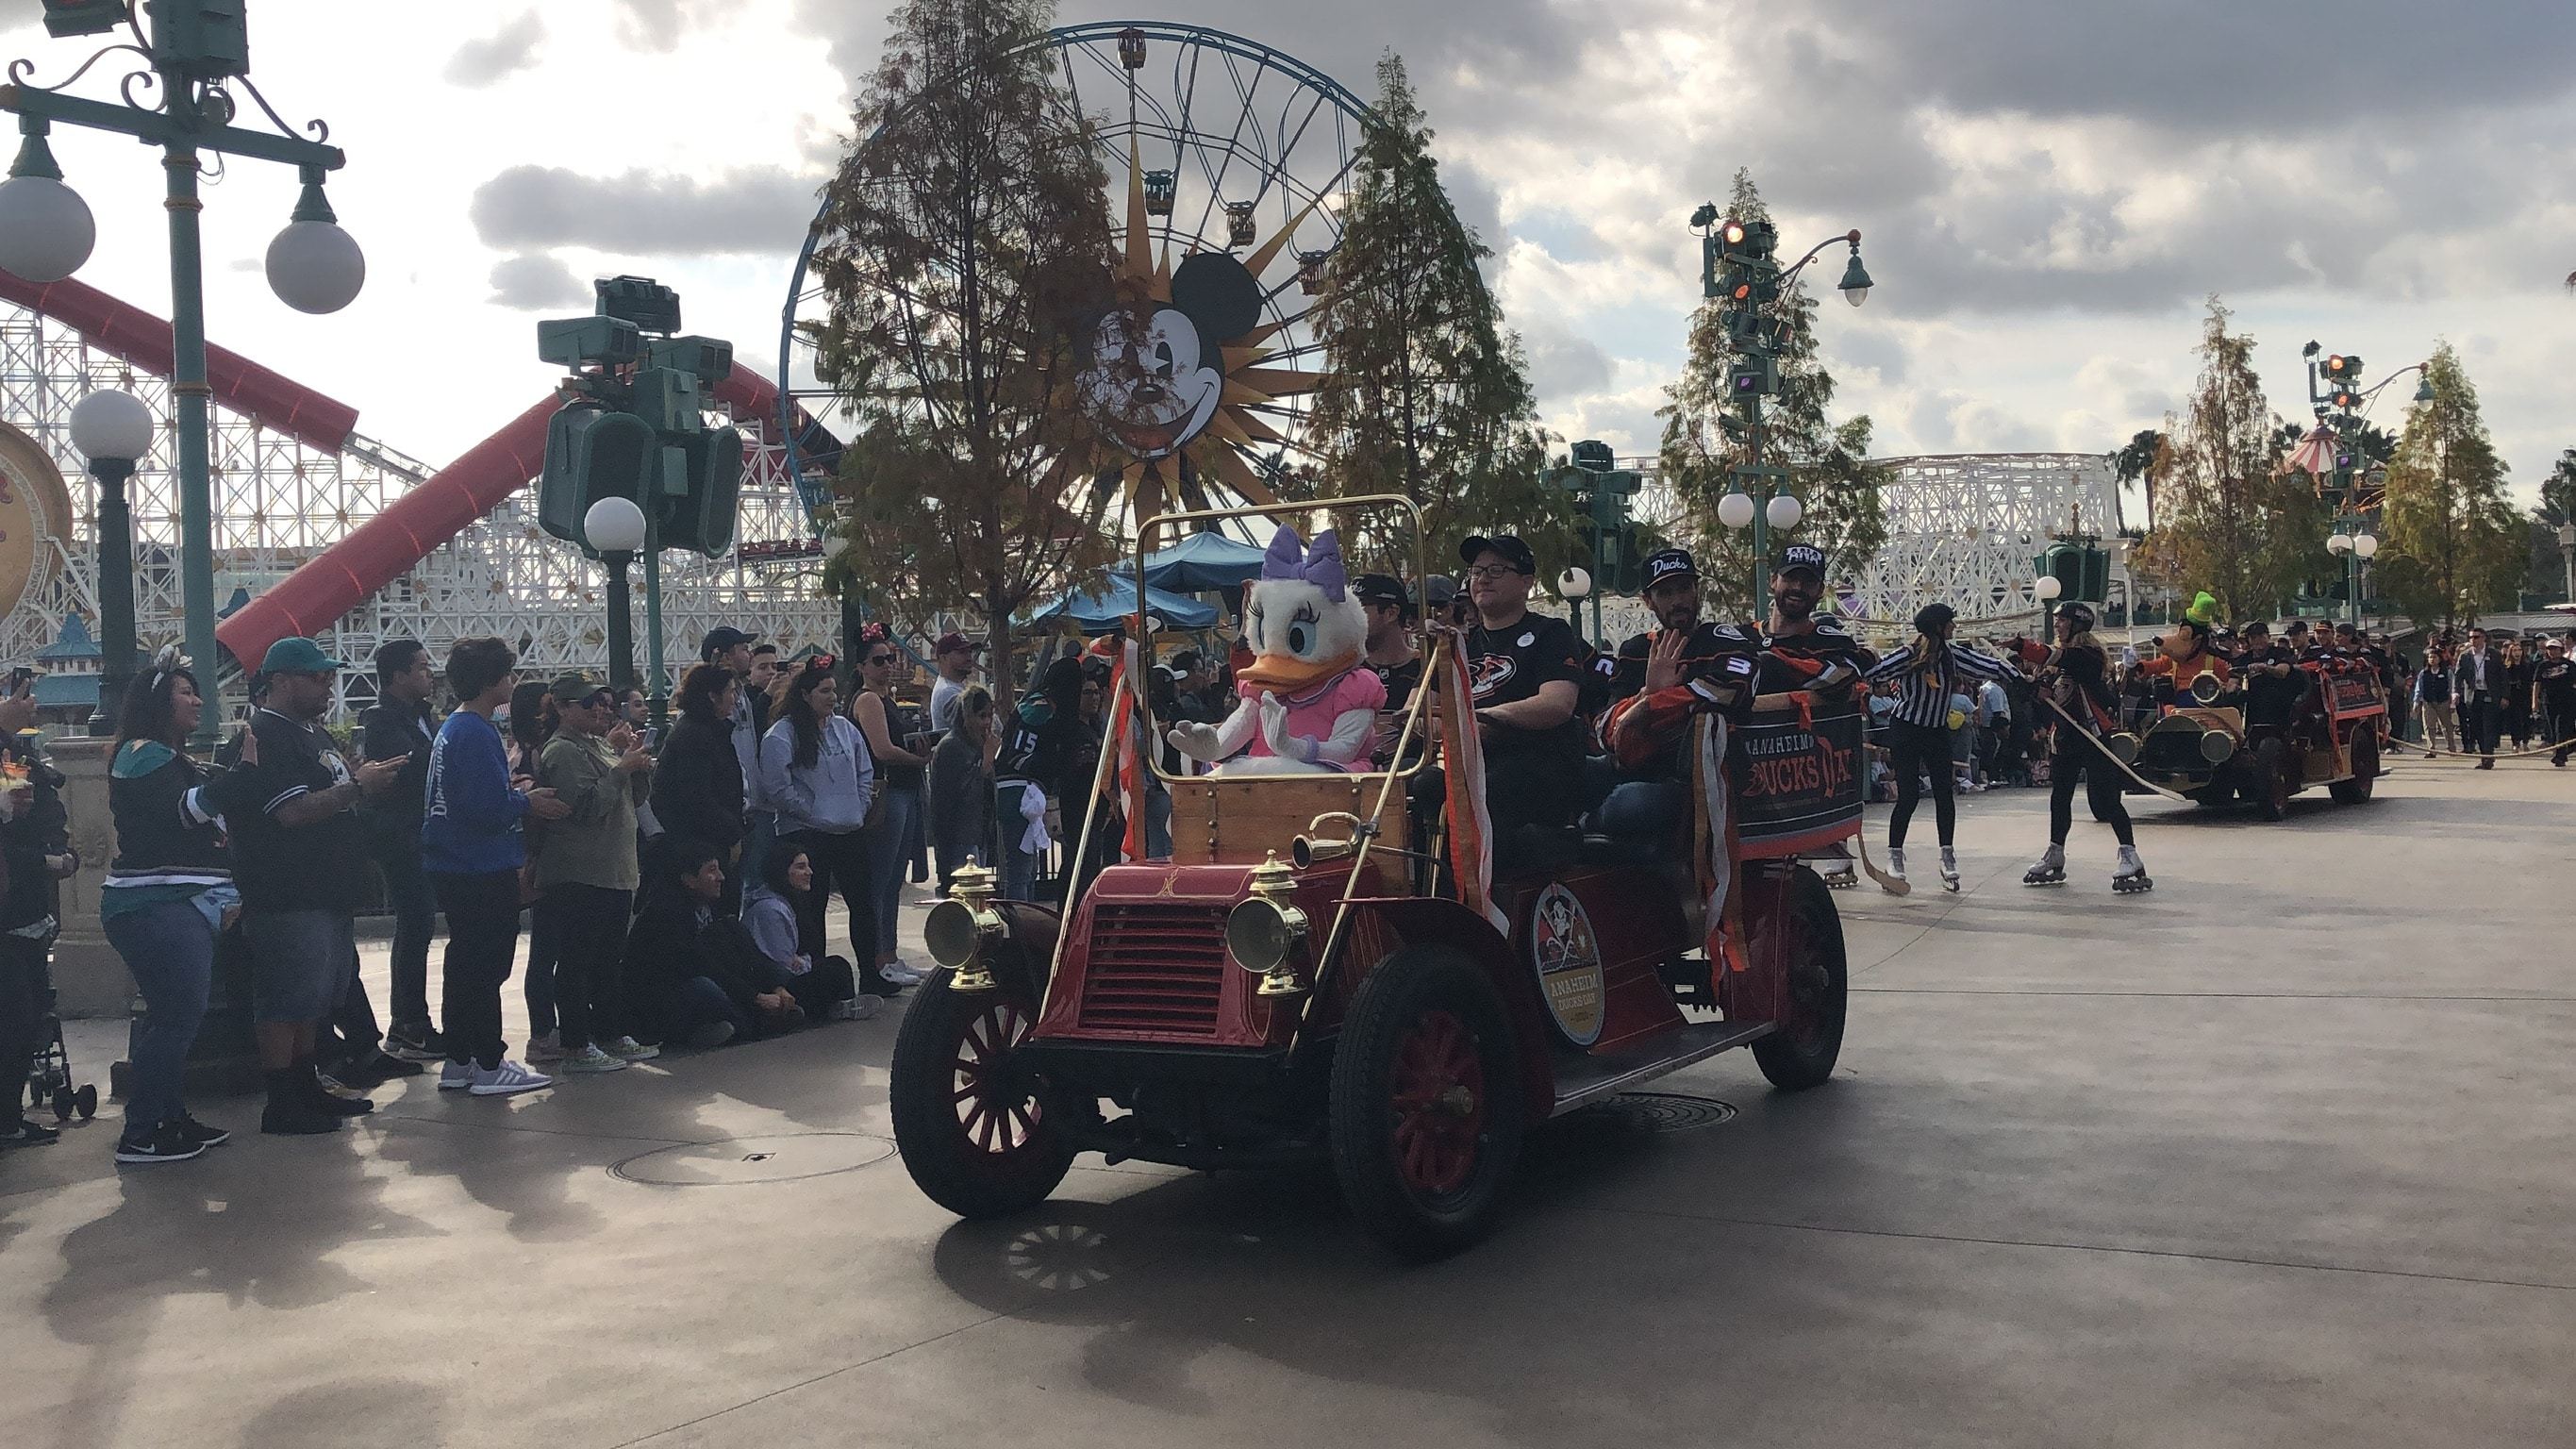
(545, 948)
(170, 951)
(893, 839)
(695, 1003)
(415, 909)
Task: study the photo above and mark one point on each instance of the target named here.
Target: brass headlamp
(963, 927)
(1263, 932)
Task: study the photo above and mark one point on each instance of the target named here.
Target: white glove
(1198, 741)
(1274, 730)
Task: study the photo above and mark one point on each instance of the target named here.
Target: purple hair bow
(1321, 565)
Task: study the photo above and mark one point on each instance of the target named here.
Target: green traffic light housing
(65, 18)
(204, 39)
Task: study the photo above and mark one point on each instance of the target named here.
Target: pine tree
(1845, 515)
(2227, 522)
(2452, 547)
(1426, 394)
(967, 240)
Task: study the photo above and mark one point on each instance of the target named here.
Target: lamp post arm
(162, 129)
(1850, 238)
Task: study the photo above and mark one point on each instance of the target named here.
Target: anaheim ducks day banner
(1797, 782)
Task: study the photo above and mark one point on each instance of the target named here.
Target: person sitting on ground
(686, 979)
(772, 912)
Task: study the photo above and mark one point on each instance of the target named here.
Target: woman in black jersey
(2076, 679)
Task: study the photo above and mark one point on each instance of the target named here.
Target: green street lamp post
(112, 429)
(617, 528)
(1740, 271)
(197, 51)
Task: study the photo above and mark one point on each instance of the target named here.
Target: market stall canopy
(1099, 610)
(1203, 561)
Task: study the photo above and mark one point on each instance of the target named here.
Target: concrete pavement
(2279, 1154)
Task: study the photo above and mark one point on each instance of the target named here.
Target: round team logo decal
(1568, 957)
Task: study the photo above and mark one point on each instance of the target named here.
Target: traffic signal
(637, 428)
(2343, 377)
(700, 515)
(83, 17)
(1755, 376)
(206, 39)
(591, 454)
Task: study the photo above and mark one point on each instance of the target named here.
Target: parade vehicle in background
(2203, 749)
(1324, 971)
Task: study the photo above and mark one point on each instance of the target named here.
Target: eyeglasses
(1490, 572)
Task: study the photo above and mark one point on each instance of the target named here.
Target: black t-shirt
(320, 866)
(2270, 701)
(2557, 679)
(1400, 681)
(1508, 665)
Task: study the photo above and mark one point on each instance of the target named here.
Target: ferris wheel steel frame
(1149, 117)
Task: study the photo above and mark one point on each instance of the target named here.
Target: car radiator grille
(1155, 968)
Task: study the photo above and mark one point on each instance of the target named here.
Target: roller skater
(2075, 677)
(1896, 861)
(1922, 677)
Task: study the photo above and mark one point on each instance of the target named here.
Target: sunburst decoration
(1174, 386)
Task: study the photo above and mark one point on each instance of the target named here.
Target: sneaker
(546, 1048)
(201, 1134)
(507, 1080)
(375, 1069)
(858, 1008)
(627, 1048)
(415, 1042)
(903, 974)
(28, 1134)
(294, 1119)
(712, 1035)
(455, 1076)
(168, 1142)
(873, 982)
(590, 1059)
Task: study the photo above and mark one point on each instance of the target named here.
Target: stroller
(49, 1070)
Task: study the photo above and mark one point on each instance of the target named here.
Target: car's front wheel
(1426, 1102)
(972, 1130)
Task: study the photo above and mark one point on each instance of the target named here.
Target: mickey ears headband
(166, 663)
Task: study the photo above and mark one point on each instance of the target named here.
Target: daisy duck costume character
(1307, 706)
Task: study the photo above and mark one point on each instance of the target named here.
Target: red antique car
(1321, 972)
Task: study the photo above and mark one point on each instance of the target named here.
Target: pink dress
(1312, 716)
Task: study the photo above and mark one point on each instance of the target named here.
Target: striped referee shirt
(1923, 697)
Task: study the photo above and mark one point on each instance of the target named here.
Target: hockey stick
(2105, 752)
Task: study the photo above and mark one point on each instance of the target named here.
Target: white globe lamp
(46, 231)
(2338, 543)
(614, 525)
(1784, 511)
(2365, 545)
(1735, 510)
(2046, 587)
(1574, 583)
(111, 424)
(314, 266)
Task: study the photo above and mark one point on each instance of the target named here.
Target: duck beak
(1286, 674)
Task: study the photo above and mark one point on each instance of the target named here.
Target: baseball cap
(1439, 590)
(951, 642)
(296, 654)
(1381, 589)
(1669, 563)
(574, 685)
(1514, 552)
(1802, 556)
(721, 638)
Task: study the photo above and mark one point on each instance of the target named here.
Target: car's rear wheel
(2269, 785)
(1426, 1102)
(1802, 1053)
(973, 1132)
(2365, 768)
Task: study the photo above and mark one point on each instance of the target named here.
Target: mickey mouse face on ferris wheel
(1155, 373)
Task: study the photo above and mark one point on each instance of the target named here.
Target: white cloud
(504, 52)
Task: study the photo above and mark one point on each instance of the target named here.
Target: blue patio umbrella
(1203, 561)
(1099, 610)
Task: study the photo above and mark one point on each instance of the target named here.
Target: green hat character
(2203, 610)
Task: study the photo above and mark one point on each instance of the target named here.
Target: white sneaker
(903, 974)
(455, 1076)
(508, 1079)
(630, 1049)
(863, 1006)
(546, 1048)
(591, 1059)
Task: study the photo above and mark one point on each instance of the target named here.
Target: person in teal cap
(300, 862)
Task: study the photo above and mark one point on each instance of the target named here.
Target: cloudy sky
(2047, 190)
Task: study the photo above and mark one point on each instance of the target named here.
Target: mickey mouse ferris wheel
(1228, 164)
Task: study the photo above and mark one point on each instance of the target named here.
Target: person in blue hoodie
(472, 847)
